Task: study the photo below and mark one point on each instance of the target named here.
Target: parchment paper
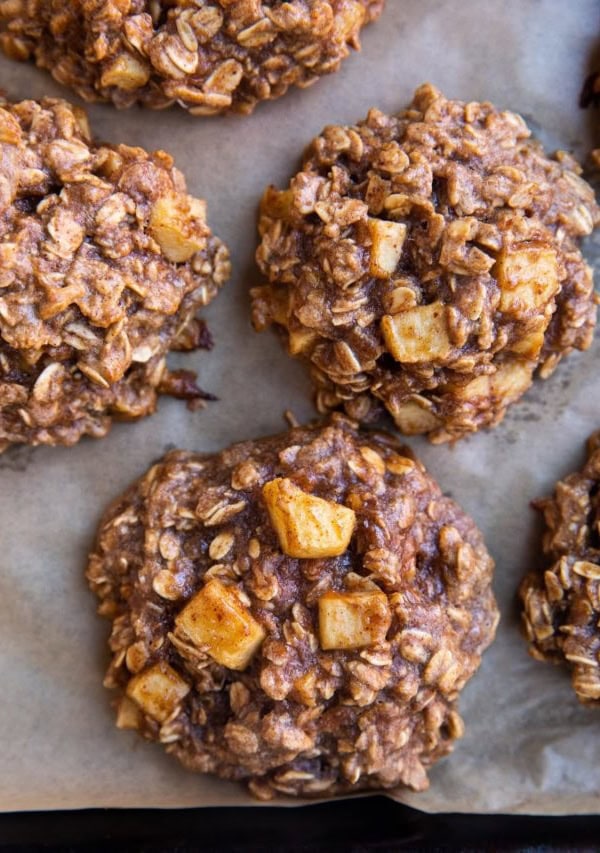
(529, 746)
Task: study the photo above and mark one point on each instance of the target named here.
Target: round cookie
(209, 56)
(104, 262)
(300, 612)
(427, 264)
(561, 601)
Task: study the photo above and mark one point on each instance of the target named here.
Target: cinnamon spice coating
(209, 56)
(428, 264)
(561, 600)
(299, 612)
(104, 262)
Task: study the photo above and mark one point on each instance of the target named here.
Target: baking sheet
(529, 746)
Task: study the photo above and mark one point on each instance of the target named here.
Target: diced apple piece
(509, 381)
(353, 620)
(527, 276)
(126, 72)
(179, 226)
(414, 419)
(481, 386)
(512, 379)
(217, 621)
(10, 129)
(387, 240)
(158, 690)
(419, 334)
(531, 344)
(307, 526)
(129, 714)
(300, 340)
(279, 306)
(277, 203)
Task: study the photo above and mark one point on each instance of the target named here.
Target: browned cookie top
(428, 263)
(561, 601)
(104, 261)
(210, 56)
(300, 612)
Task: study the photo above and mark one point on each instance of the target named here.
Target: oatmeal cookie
(209, 56)
(428, 264)
(299, 612)
(104, 262)
(561, 601)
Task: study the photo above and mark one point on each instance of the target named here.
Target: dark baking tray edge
(369, 824)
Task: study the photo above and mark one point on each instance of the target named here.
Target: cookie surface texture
(209, 57)
(298, 612)
(104, 261)
(427, 264)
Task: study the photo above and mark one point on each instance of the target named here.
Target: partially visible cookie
(590, 97)
(561, 600)
(209, 56)
(104, 261)
(299, 612)
(428, 264)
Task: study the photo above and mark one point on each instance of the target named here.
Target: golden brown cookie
(299, 612)
(428, 264)
(561, 600)
(104, 262)
(209, 56)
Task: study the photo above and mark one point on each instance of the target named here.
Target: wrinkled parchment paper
(529, 746)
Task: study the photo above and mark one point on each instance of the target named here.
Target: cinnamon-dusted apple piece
(299, 612)
(307, 526)
(353, 620)
(217, 621)
(427, 264)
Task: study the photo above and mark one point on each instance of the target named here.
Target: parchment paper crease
(529, 746)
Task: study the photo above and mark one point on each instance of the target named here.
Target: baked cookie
(300, 612)
(104, 262)
(210, 56)
(561, 601)
(427, 264)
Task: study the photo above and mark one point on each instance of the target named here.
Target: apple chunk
(531, 344)
(307, 526)
(511, 379)
(276, 203)
(527, 276)
(387, 240)
(353, 620)
(217, 621)
(301, 340)
(126, 72)
(178, 225)
(414, 419)
(158, 690)
(419, 334)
